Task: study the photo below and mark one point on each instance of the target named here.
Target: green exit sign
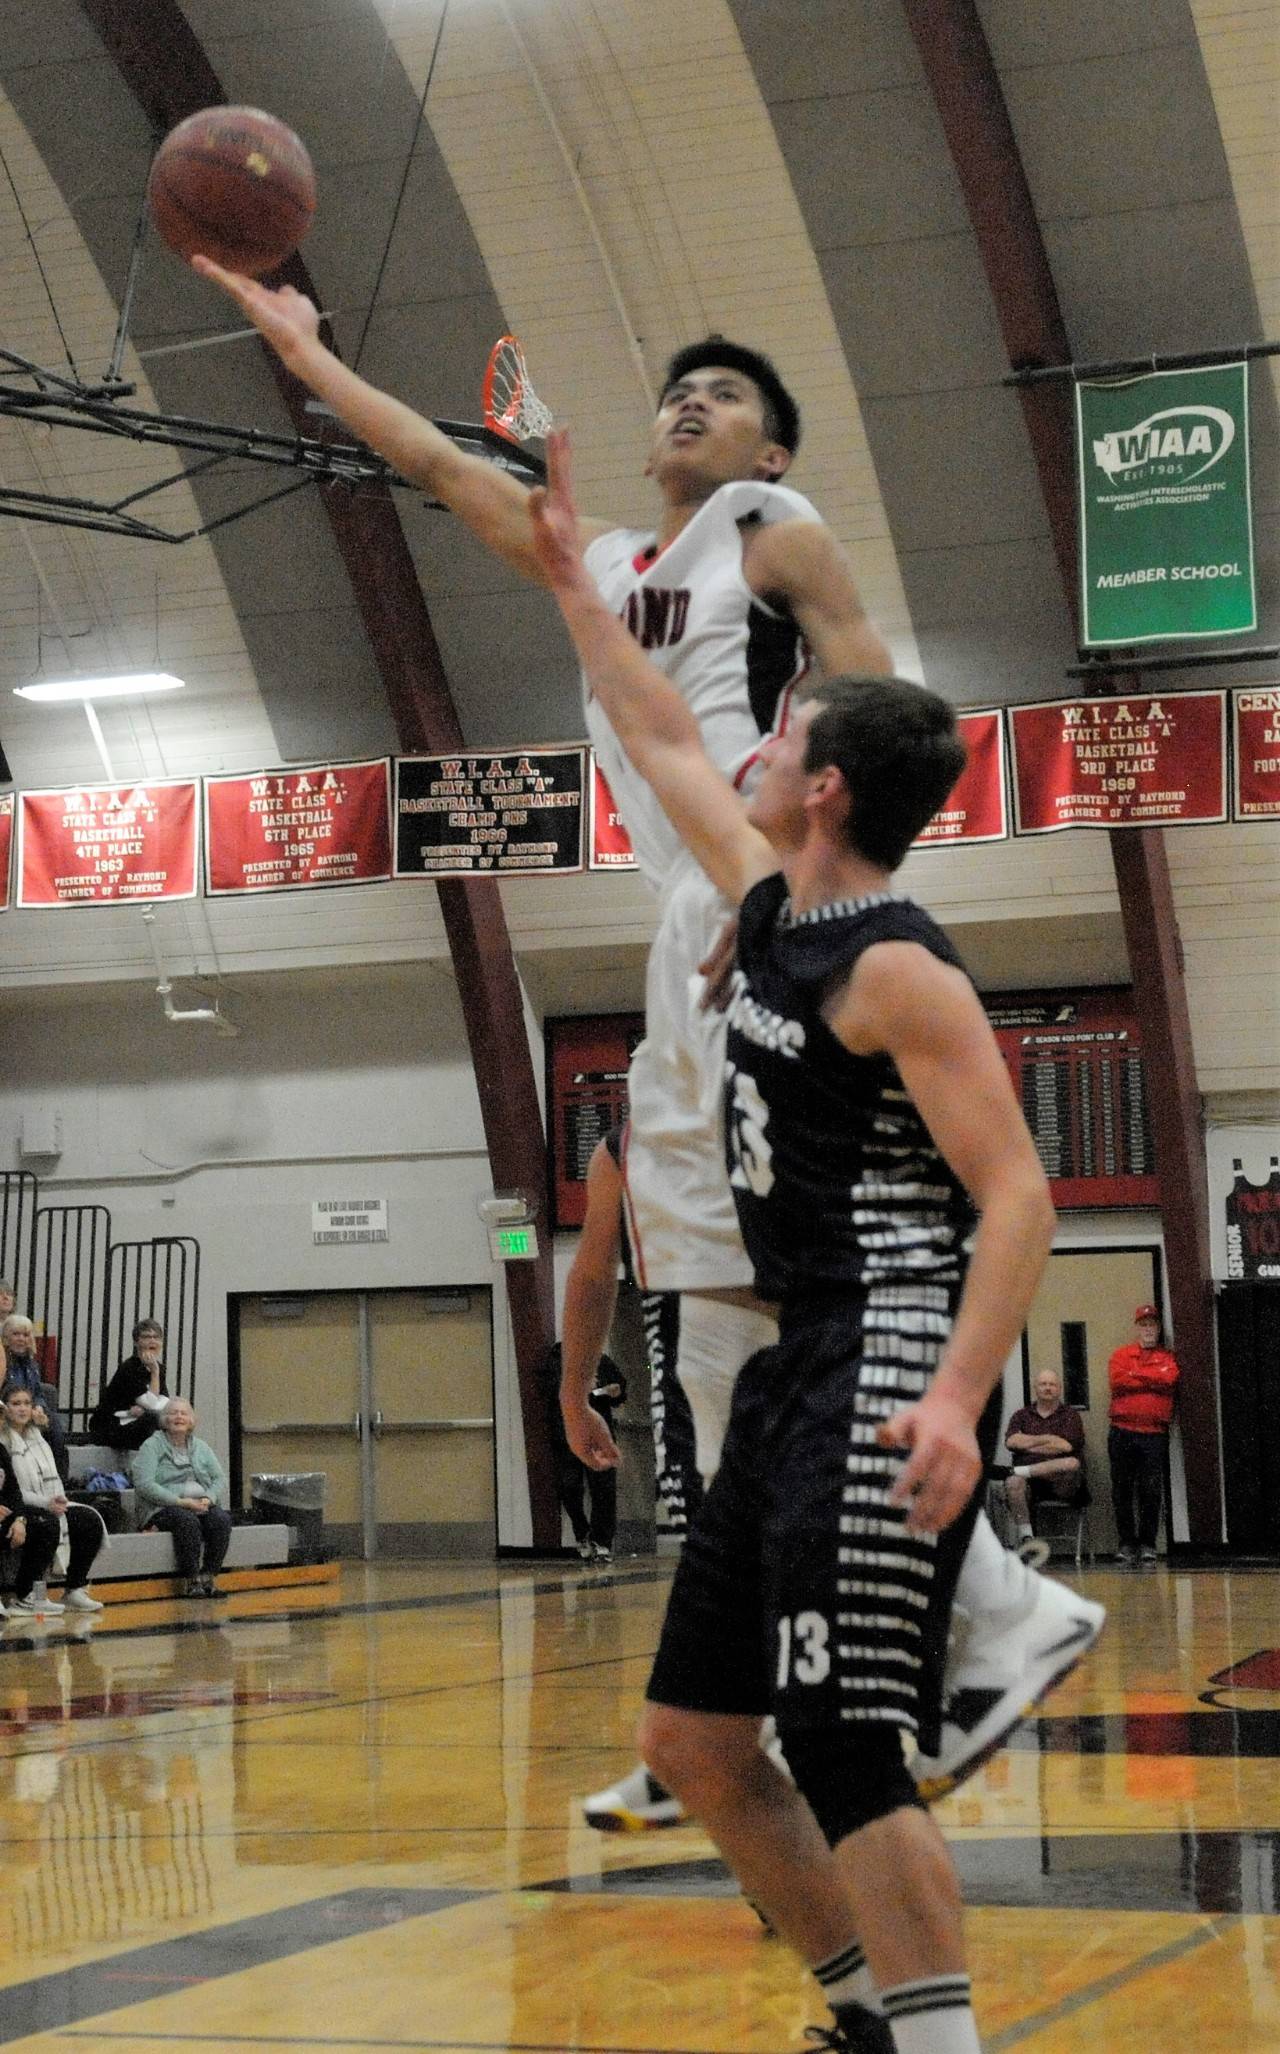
(513, 1244)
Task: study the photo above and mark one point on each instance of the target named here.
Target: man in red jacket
(1144, 1379)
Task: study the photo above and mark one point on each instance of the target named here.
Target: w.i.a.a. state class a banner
(1166, 530)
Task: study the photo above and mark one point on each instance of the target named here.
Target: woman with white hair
(77, 1530)
(179, 1482)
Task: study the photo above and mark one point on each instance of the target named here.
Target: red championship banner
(978, 808)
(610, 845)
(1130, 762)
(6, 845)
(100, 845)
(296, 830)
(1257, 752)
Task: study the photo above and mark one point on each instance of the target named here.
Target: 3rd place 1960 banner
(1166, 530)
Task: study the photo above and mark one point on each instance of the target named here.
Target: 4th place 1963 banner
(99, 845)
(6, 843)
(1166, 530)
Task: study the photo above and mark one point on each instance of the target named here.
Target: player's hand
(944, 1465)
(282, 314)
(717, 968)
(557, 542)
(591, 1439)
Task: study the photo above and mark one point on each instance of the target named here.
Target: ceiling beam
(165, 67)
(971, 107)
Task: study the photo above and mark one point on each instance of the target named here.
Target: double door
(390, 1395)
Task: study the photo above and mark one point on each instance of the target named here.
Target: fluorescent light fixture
(78, 690)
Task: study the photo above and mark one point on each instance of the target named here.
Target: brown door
(432, 1363)
(390, 1395)
(300, 1405)
(1082, 1311)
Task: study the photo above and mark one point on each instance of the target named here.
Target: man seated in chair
(1046, 1440)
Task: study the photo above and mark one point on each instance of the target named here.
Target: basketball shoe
(1000, 1665)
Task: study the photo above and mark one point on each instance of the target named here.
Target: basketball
(233, 184)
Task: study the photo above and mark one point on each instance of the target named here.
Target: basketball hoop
(511, 406)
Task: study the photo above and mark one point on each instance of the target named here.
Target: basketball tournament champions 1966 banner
(293, 830)
(100, 845)
(1257, 753)
(481, 815)
(977, 809)
(1131, 762)
(1166, 531)
(6, 846)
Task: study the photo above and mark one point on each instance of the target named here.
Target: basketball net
(511, 406)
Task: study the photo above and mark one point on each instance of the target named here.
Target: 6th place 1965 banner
(296, 830)
(1166, 531)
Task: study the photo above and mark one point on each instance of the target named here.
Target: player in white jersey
(725, 432)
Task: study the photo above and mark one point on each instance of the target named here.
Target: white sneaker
(996, 1680)
(636, 1804)
(80, 1601)
(27, 1608)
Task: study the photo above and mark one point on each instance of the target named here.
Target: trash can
(295, 1501)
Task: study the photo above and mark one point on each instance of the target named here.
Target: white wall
(359, 1085)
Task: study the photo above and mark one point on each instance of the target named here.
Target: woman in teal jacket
(179, 1483)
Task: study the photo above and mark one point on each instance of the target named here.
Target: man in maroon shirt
(1144, 1379)
(1046, 1441)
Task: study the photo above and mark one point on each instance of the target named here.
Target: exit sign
(513, 1244)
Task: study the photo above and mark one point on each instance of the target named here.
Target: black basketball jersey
(837, 1180)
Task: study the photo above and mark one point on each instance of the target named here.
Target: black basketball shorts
(799, 1591)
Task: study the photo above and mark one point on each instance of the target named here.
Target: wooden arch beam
(165, 67)
(970, 101)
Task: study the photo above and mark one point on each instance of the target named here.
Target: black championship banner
(516, 815)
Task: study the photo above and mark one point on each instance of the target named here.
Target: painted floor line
(1093, 1993)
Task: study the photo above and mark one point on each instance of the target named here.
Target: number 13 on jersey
(803, 1653)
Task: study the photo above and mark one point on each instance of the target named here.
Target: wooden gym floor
(345, 1817)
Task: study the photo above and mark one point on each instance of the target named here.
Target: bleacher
(85, 1290)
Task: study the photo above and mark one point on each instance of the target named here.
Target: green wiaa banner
(1166, 527)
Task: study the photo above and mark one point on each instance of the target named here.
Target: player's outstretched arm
(646, 712)
(590, 1295)
(926, 1015)
(491, 502)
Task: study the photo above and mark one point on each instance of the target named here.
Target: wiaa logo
(1176, 436)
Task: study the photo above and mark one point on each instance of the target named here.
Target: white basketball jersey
(731, 656)
(733, 659)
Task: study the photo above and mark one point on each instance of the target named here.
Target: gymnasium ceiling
(609, 178)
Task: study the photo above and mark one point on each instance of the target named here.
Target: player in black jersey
(869, 1115)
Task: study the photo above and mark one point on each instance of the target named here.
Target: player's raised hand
(937, 1480)
(557, 541)
(591, 1439)
(284, 316)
